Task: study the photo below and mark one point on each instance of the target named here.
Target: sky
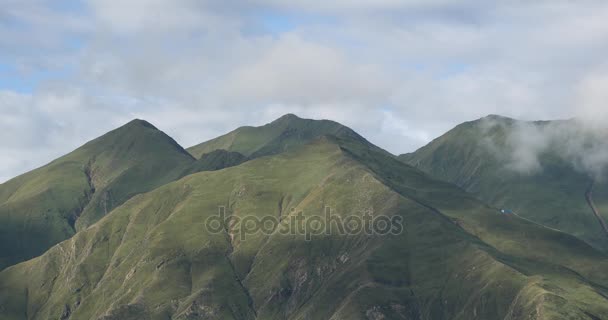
(399, 72)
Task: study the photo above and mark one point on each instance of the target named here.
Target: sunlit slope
(474, 156)
(47, 205)
(153, 257)
(283, 134)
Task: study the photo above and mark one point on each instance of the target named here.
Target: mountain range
(118, 229)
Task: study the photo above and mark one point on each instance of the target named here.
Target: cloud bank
(399, 72)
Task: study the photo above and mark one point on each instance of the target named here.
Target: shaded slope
(130, 160)
(474, 156)
(47, 205)
(215, 160)
(283, 134)
(153, 258)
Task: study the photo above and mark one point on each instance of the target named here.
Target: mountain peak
(138, 130)
(497, 117)
(282, 134)
(288, 117)
(289, 120)
(140, 123)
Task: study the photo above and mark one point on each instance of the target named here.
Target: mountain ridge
(458, 259)
(521, 166)
(280, 135)
(153, 256)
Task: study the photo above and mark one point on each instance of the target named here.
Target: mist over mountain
(581, 143)
(546, 171)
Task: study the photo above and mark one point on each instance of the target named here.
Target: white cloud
(165, 16)
(296, 71)
(37, 128)
(593, 99)
(399, 72)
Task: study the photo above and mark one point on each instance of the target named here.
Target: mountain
(283, 134)
(215, 160)
(49, 204)
(551, 172)
(157, 257)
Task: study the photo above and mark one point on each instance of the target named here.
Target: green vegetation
(153, 257)
(215, 160)
(48, 205)
(475, 156)
(283, 134)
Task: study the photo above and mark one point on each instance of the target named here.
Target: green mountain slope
(47, 205)
(479, 157)
(283, 134)
(216, 160)
(154, 257)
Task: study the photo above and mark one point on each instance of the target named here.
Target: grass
(284, 134)
(554, 196)
(152, 257)
(48, 205)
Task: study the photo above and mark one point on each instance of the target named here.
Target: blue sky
(400, 72)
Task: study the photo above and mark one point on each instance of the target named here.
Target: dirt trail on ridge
(589, 197)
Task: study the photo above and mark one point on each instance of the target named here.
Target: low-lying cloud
(528, 145)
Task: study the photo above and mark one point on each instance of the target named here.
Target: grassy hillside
(283, 134)
(477, 157)
(154, 258)
(216, 160)
(47, 205)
